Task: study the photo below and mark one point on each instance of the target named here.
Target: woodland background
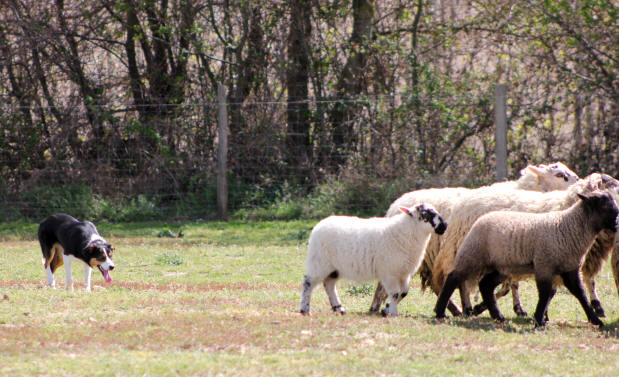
(109, 107)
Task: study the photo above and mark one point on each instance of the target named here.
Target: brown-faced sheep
(506, 243)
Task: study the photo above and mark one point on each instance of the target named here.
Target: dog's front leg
(67, 269)
(87, 277)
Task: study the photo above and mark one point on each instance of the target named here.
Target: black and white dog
(64, 238)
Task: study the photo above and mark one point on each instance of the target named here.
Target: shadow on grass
(611, 329)
(520, 325)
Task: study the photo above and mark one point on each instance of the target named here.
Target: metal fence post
(222, 154)
(500, 137)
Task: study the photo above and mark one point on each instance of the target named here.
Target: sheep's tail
(444, 265)
(427, 265)
(425, 274)
(598, 254)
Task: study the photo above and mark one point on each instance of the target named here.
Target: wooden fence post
(222, 154)
(500, 136)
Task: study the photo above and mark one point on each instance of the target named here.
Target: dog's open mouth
(106, 274)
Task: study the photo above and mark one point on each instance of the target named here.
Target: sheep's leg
(392, 306)
(306, 294)
(454, 279)
(334, 299)
(545, 294)
(451, 306)
(504, 290)
(552, 294)
(380, 295)
(486, 287)
(396, 290)
(595, 301)
(453, 309)
(520, 312)
(479, 308)
(465, 299)
(573, 283)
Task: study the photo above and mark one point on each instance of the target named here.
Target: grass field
(223, 300)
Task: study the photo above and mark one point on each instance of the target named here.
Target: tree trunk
(352, 83)
(299, 152)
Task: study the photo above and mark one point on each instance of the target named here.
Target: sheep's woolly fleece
(385, 248)
(507, 243)
(466, 211)
(555, 176)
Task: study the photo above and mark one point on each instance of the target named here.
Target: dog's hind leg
(50, 277)
(87, 277)
(51, 260)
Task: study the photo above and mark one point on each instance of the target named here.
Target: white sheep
(389, 249)
(467, 211)
(555, 176)
(548, 245)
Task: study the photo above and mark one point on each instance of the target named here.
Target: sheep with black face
(389, 249)
(547, 245)
(465, 212)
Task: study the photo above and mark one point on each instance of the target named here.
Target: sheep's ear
(582, 196)
(406, 211)
(536, 169)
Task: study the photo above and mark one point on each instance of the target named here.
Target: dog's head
(99, 254)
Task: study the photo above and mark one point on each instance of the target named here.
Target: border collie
(64, 239)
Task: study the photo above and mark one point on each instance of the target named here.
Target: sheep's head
(597, 182)
(602, 209)
(427, 213)
(555, 176)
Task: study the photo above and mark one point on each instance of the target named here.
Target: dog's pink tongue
(106, 275)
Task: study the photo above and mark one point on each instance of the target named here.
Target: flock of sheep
(549, 225)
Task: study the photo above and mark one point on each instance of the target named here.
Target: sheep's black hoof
(479, 308)
(596, 321)
(540, 322)
(597, 308)
(339, 309)
(467, 312)
(303, 312)
(440, 318)
(520, 312)
(539, 326)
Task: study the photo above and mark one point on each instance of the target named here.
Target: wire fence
(361, 153)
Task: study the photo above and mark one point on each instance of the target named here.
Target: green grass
(223, 300)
